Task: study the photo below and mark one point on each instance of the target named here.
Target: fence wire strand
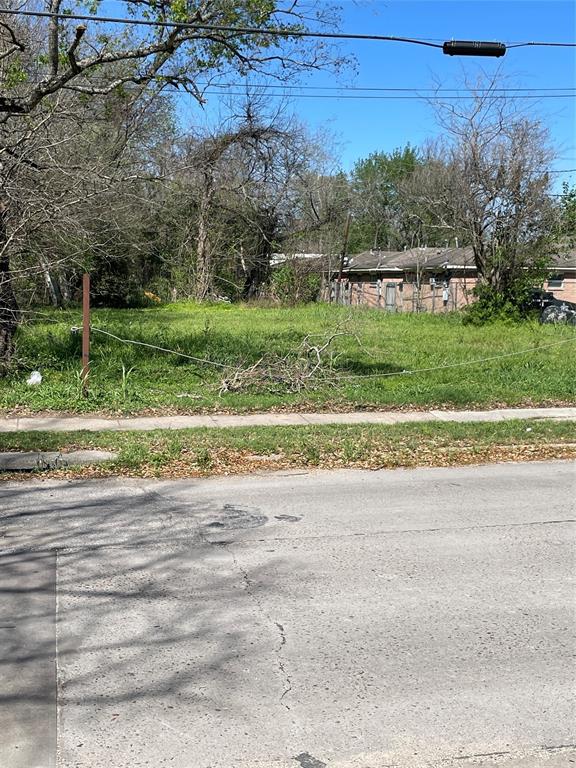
(162, 349)
(406, 372)
(337, 378)
(456, 365)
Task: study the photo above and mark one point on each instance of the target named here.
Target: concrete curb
(148, 423)
(30, 461)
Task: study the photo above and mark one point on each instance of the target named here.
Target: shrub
(294, 283)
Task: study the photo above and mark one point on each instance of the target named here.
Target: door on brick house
(390, 297)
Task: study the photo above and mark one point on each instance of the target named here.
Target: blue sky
(368, 125)
(362, 126)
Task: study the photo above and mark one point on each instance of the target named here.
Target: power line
(340, 92)
(557, 45)
(293, 95)
(161, 349)
(410, 89)
(430, 369)
(353, 88)
(277, 32)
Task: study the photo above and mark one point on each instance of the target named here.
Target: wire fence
(405, 372)
(337, 377)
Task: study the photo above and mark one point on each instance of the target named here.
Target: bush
(293, 283)
(491, 305)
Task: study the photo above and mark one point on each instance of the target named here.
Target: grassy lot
(128, 379)
(194, 452)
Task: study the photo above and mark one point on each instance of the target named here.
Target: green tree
(567, 217)
(487, 183)
(379, 215)
(56, 64)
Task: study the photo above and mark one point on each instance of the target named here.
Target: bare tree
(487, 183)
(239, 191)
(45, 61)
(216, 167)
(263, 192)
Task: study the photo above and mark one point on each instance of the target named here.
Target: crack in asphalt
(249, 588)
(287, 680)
(67, 548)
(535, 752)
(558, 747)
(482, 754)
(282, 634)
(391, 532)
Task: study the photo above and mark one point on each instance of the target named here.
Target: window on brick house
(556, 281)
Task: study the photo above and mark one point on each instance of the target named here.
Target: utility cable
(277, 32)
(359, 375)
(411, 89)
(557, 45)
(401, 94)
(337, 378)
(257, 87)
(398, 98)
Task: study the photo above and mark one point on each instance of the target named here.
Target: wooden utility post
(343, 255)
(85, 332)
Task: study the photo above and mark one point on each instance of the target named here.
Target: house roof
(421, 258)
(565, 260)
(426, 259)
(431, 259)
(280, 258)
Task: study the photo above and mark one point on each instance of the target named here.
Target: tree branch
(71, 54)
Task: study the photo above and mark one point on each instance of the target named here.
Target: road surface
(342, 619)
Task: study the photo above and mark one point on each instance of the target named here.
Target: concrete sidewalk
(147, 423)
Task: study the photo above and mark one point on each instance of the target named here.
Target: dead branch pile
(309, 366)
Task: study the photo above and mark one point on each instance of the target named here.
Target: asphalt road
(347, 619)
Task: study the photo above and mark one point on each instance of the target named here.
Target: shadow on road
(146, 607)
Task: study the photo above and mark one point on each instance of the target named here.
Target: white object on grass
(34, 378)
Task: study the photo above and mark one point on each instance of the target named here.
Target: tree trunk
(256, 276)
(52, 285)
(259, 270)
(8, 306)
(204, 283)
(64, 285)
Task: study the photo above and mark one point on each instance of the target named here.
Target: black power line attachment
(473, 48)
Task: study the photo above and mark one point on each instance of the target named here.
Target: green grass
(207, 451)
(128, 379)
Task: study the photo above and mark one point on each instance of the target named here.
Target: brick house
(428, 279)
